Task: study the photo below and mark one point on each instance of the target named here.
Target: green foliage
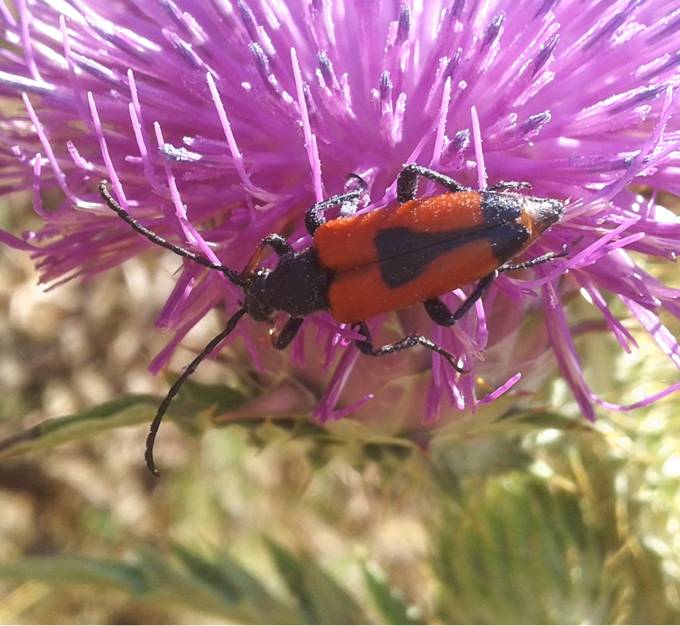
(507, 516)
(514, 546)
(389, 602)
(521, 552)
(215, 587)
(124, 411)
(74, 570)
(319, 598)
(197, 404)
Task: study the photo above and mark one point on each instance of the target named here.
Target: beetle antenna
(172, 392)
(113, 204)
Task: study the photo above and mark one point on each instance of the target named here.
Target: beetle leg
(407, 183)
(544, 258)
(509, 185)
(281, 339)
(441, 314)
(274, 241)
(277, 243)
(349, 201)
(366, 346)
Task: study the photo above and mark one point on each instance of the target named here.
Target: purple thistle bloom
(220, 121)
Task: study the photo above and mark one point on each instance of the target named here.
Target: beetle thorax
(298, 284)
(255, 300)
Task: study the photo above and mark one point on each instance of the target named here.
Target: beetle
(361, 265)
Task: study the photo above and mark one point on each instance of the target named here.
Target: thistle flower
(218, 122)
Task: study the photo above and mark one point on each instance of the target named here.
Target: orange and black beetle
(361, 265)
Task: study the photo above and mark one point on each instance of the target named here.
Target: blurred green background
(511, 516)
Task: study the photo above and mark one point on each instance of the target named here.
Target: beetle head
(256, 302)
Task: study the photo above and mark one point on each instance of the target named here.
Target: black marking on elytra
(500, 208)
(508, 240)
(404, 254)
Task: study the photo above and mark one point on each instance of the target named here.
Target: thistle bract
(218, 122)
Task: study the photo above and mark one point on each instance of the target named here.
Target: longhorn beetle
(361, 265)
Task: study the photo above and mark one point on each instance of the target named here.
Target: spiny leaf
(321, 600)
(237, 586)
(539, 419)
(211, 574)
(391, 605)
(73, 570)
(170, 584)
(505, 420)
(124, 411)
(519, 551)
(220, 397)
(225, 590)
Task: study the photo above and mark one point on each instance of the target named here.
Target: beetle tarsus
(544, 258)
(315, 216)
(407, 183)
(366, 346)
(510, 185)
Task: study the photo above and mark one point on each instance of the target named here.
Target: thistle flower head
(221, 121)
